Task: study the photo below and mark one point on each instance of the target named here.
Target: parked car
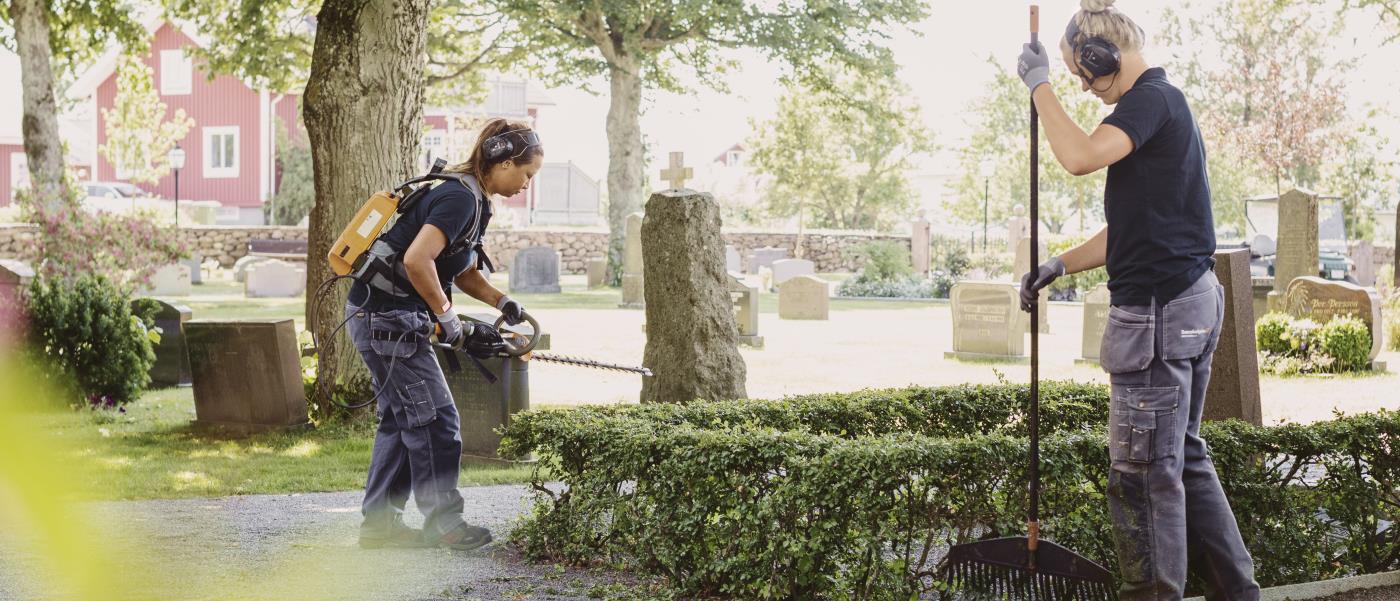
(112, 196)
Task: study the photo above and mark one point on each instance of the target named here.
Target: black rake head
(999, 569)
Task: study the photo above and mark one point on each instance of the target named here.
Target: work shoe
(465, 537)
(400, 536)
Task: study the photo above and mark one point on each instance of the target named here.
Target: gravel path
(304, 547)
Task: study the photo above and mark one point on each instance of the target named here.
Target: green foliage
(1392, 321)
(909, 286)
(1347, 341)
(1001, 135)
(839, 158)
(139, 138)
(83, 332)
(952, 260)
(296, 194)
(993, 263)
(883, 261)
(80, 30)
(857, 496)
(1082, 282)
(1290, 346)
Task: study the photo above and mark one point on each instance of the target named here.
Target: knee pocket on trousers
(418, 404)
(1142, 423)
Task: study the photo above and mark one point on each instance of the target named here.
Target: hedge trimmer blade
(590, 363)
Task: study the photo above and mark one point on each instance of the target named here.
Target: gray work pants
(418, 446)
(1164, 498)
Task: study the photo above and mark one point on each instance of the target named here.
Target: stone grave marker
(274, 278)
(172, 364)
(196, 265)
(987, 322)
(920, 244)
(764, 257)
(15, 277)
(240, 267)
(732, 262)
(1363, 254)
(1020, 268)
(483, 406)
(1297, 242)
(786, 269)
(535, 269)
(1095, 320)
(745, 299)
(1233, 391)
(633, 267)
(691, 334)
(170, 280)
(247, 374)
(804, 297)
(597, 268)
(1018, 227)
(1320, 300)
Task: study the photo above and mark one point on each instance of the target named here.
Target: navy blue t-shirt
(449, 206)
(1161, 234)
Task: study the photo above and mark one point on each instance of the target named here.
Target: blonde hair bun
(1095, 6)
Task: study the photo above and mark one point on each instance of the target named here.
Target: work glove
(1035, 280)
(511, 310)
(1034, 65)
(483, 341)
(449, 330)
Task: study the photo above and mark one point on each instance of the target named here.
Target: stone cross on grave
(677, 173)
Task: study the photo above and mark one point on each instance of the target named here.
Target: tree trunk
(364, 116)
(42, 146)
(625, 155)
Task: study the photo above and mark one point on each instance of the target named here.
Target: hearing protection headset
(502, 146)
(1096, 54)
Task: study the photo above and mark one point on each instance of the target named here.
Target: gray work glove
(1041, 277)
(450, 329)
(1034, 65)
(511, 310)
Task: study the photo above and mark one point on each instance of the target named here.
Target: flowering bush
(1289, 346)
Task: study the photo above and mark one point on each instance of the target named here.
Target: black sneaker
(400, 536)
(465, 537)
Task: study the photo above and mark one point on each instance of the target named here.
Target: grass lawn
(151, 452)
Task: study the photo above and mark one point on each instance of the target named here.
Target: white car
(112, 196)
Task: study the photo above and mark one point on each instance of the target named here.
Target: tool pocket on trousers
(1143, 423)
(1190, 324)
(1127, 340)
(396, 333)
(418, 404)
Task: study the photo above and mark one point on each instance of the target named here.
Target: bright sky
(945, 68)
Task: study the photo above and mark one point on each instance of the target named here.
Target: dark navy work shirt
(449, 206)
(1161, 234)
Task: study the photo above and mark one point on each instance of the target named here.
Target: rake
(1017, 567)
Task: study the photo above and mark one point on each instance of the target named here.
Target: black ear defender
(1096, 54)
(502, 146)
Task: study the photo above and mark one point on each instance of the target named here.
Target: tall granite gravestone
(745, 299)
(1297, 242)
(1020, 268)
(919, 244)
(804, 297)
(247, 374)
(732, 262)
(1320, 300)
(169, 280)
(1095, 321)
(691, 334)
(633, 266)
(786, 269)
(172, 364)
(987, 322)
(535, 269)
(1233, 392)
(485, 406)
(196, 265)
(1363, 254)
(274, 278)
(1018, 228)
(15, 277)
(597, 268)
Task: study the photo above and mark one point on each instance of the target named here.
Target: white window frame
(176, 73)
(207, 155)
(19, 173)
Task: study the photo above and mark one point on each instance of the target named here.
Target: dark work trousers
(1164, 498)
(418, 447)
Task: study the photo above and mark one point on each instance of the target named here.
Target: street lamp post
(177, 162)
(986, 169)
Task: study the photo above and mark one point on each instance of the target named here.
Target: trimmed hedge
(826, 496)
